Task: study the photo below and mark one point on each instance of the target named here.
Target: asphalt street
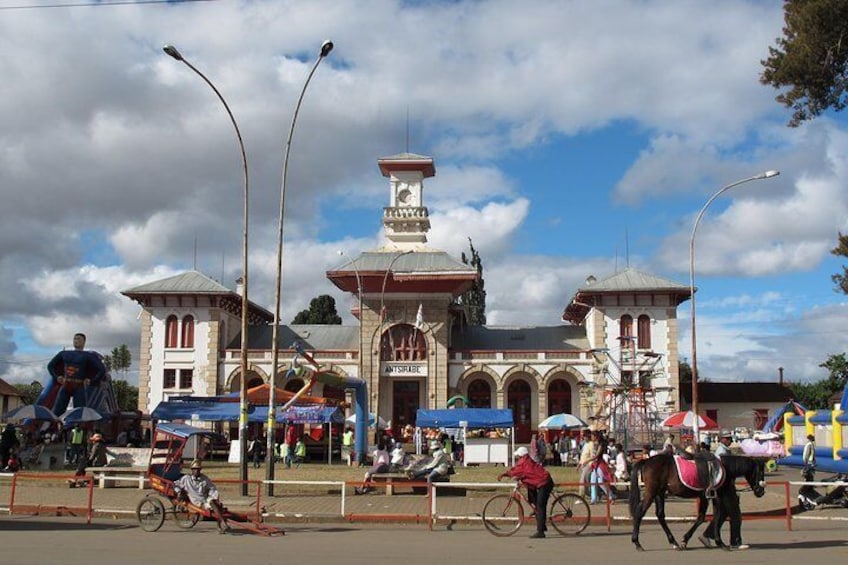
(69, 541)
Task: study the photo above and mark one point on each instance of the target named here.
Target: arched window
(403, 343)
(559, 397)
(625, 328)
(187, 341)
(171, 332)
(479, 394)
(644, 329)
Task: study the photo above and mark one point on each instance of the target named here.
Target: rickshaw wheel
(150, 513)
(184, 518)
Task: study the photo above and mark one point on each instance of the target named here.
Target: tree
(474, 299)
(126, 395)
(841, 279)
(322, 310)
(29, 393)
(119, 360)
(811, 58)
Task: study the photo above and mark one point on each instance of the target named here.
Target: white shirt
(398, 455)
(722, 450)
(200, 489)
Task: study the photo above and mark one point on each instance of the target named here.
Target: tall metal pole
(380, 342)
(694, 367)
(359, 292)
(173, 52)
(326, 47)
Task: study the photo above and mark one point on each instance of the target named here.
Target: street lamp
(326, 47)
(380, 337)
(359, 292)
(694, 367)
(173, 52)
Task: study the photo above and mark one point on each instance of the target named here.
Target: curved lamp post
(173, 52)
(765, 175)
(326, 47)
(380, 332)
(359, 292)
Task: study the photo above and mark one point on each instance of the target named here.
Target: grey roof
(415, 262)
(405, 156)
(315, 337)
(550, 338)
(632, 280)
(188, 282)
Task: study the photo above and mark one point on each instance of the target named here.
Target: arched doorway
(518, 399)
(479, 394)
(559, 397)
(407, 381)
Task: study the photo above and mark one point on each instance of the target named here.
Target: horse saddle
(688, 471)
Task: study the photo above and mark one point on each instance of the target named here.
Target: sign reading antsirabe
(403, 369)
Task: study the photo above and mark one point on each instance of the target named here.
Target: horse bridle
(759, 478)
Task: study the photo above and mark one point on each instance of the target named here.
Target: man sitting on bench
(438, 468)
(199, 489)
(380, 459)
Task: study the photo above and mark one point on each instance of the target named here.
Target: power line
(97, 4)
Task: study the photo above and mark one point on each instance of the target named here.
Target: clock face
(404, 196)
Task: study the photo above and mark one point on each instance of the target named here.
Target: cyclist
(539, 486)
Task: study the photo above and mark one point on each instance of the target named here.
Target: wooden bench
(107, 477)
(390, 479)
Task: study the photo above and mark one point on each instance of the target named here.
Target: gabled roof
(631, 280)
(8, 390)
(314, 337)
(429, 271)
(628, 281)
(194, 283)
(738, 392)
(551, 338)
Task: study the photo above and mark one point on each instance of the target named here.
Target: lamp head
(326, 47)
(769, 174)
(172, 51)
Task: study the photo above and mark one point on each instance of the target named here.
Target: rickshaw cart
(164, 468)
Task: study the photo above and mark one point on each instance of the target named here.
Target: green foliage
(119, 360)
(841, 250)
(125, 394)
(30, 392)
(322, 310)
(474, 299)
(816, 395)
(811, 58)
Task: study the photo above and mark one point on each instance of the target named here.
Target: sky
(570, 138)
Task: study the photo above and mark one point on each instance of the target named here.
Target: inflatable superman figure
(76, 374)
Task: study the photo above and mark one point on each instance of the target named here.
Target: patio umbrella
(81, 414)
(687, 420)
(371, 419)
(562, 421)
(30, 412)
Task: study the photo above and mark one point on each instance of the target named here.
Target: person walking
(347, 446)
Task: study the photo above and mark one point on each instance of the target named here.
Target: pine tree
(322, 310)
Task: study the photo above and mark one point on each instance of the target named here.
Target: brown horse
(660, 478)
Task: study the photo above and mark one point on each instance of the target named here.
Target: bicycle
(504, 514)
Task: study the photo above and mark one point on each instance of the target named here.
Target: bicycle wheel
(150, 513)
(570, 514)
(185, 519)
(503, 515)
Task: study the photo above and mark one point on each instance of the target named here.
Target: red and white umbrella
(687, 420)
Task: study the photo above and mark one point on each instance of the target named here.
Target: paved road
(39, 540)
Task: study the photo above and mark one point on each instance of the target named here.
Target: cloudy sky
(570, 138)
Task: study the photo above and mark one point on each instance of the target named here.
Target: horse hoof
(639, 546)
(676, 547)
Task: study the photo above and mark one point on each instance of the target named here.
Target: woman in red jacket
(539, 486)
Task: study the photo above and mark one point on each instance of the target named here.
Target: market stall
(486, 433)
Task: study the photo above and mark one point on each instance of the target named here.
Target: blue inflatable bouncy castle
(829, 427)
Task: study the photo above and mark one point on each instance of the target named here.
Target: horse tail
(635, 497)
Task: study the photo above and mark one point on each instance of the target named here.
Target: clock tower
(406, 219)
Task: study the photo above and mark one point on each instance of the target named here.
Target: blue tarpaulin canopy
(472, 417)
(194, 409)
